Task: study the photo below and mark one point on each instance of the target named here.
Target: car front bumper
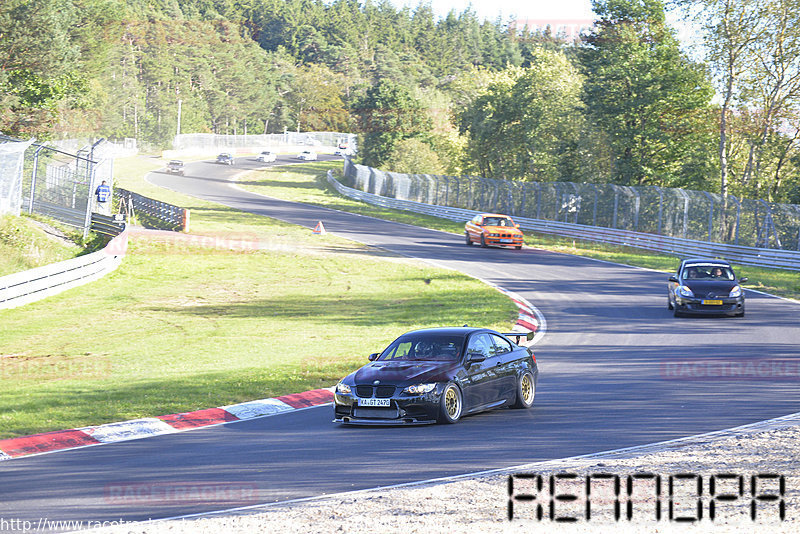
(503, 241)
(729, 306)
(402, 410)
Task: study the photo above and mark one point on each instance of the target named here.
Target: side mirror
(374, 356)
(475, 357)
(516, 226)
(742, 280)
(673, 278)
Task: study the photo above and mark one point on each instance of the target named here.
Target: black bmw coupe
(705, 287)
(438, 375)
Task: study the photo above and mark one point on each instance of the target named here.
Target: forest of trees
(453, 95)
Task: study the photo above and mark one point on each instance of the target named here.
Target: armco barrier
(35, 284)
(110, 225)
(152, 213)
(760, 257)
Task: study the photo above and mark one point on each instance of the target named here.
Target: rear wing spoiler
(519, 335)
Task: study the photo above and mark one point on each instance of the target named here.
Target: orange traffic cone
(319, 229)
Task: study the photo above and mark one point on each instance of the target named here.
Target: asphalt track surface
(613, 373)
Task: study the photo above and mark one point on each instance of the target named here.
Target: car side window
(482, 344)
(502, 346)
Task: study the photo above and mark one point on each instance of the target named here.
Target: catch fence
(217, 142)
(42, 179)
(671, 212)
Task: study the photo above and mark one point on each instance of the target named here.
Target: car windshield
(424, 347)
(497, 221)
(707, 272)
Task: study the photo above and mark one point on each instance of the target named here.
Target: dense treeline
(449, 95)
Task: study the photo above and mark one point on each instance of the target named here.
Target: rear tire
(467, 239)
(451, 404)
(518, 247)
(526, 391)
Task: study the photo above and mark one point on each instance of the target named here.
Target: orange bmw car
(493, 229)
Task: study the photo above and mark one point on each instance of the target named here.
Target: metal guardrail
(35, 284)
(111, 225)
(152, 213)
(759, 257)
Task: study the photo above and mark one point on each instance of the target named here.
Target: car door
(506, 365)
(474, 229)
(480, 376)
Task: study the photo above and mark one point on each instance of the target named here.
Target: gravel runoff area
(480, 502)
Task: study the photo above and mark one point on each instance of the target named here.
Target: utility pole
(178, 130)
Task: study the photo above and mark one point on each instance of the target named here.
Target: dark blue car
(438, 375)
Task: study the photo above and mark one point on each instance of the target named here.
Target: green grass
(25, 244)
(181, 327)
(308, 184)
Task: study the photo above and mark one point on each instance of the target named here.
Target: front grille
(376, 413)
(384, 392)
(381, 392)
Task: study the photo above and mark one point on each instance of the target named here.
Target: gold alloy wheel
(526, 388)
(452, 403)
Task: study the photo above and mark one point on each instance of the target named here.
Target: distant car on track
(225, 158)
(175, 167)
(705, 287)
(267, 156)
(493, 229)
(307, 155)
(438, 375)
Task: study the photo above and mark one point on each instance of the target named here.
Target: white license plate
(381, 403)
(506, 241)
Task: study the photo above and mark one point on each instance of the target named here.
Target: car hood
(403, 371)
(506, 229)
(710, 288)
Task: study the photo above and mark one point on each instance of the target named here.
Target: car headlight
(684, 291)
(343, 388)
(736, 291)
(419, 389)
(494, 235)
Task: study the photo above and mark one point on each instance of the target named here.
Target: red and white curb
(529, 320)
(154, 426)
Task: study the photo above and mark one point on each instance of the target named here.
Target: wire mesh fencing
(53, 182)
(673, 212)
(218, 142)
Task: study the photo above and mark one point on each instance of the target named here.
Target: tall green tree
(753, 48)
(527, 122)
(644, 93)
(38, 64)
(387, 114)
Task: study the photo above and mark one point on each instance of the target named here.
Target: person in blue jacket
(103, 194)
